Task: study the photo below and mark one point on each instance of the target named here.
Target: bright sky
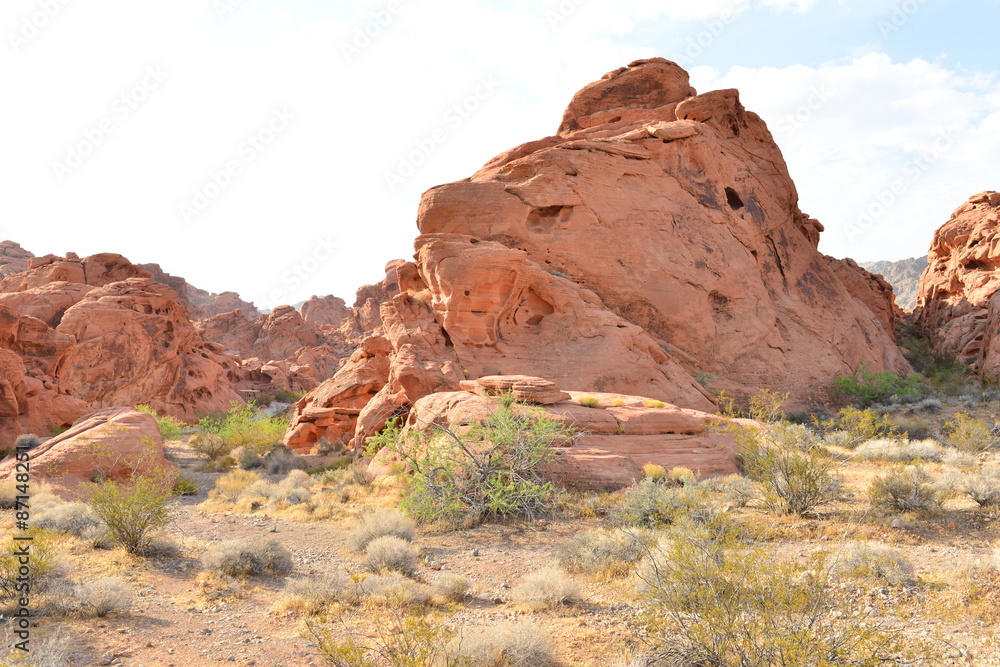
(279, 149)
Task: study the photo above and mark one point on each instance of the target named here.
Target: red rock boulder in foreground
(618, 435)
(654, 241)
(958, 303)
(114, 443)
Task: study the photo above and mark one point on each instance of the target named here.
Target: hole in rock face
(616, 119)
(547, 218)
(976, 265)
(734, 200)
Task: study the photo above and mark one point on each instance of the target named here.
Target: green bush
(867, 387)
(212, 445)
(712, 601)
(170, 427)
(794, 474)
(132, 510)
(856, 426)
(492, 470)
(242, 426)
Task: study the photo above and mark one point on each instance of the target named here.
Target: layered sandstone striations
(653, 241)
(958, 303)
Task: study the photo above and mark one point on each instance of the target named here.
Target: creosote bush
(170, 427)
(905, 489)
(212, 445)
(242, 426)
(713, 601)
(391, 554)
(795, 474)
(248, 558)
(380, 523)
(867, 387)
(133, 509)
(488, 471)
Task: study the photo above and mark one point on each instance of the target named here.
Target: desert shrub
(968, 433)
(509, 644)
(763, 406)
(867, 387)
(983, 486)
(132, 510)
(618, 402)
(44, 569)
(286, 396)
(380, 523)
(399, 639)
(452, 588)
(683, 476)
(547, 588)
(212, 445)
(394, 589)
(74, 518)
(358, 474)
(229, 487)
(906, 489)
(102, 596)
(8, 493)
(652, 403)
(311, 595)
(248, 558)
(27, 441)
(332, 466)
(900, 451)
(170, 427)
(853, 426)
(391, 554)
(183, 486)
(794, 475)
(654, 472)
(865, 560)
(736, 489)
(242, 426)
(604, 552)
(648, 503)
(712, 601)
(588, 401)
(492, 470)
(281, 461)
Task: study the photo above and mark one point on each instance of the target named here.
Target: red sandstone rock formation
(200, 303)
(958, 303)
(655, 238)
(115, 444)
(617, 437)
(324, 310)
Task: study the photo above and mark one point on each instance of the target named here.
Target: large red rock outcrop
(13, 258)
(200, 303)
(136, 344)
(115, 444)
(958, 303)
(616, 437)
(653, 241)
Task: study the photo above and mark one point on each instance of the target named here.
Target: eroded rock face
(13, 258)
(136, 344)
(957, 303)
(618, 436)
(114, 443)
(655, 240)
(200, 303)
(324, 310)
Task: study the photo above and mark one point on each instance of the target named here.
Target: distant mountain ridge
(904, 276)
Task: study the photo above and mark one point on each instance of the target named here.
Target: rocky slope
(655, 240)
(958, 304)
(903, 275)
